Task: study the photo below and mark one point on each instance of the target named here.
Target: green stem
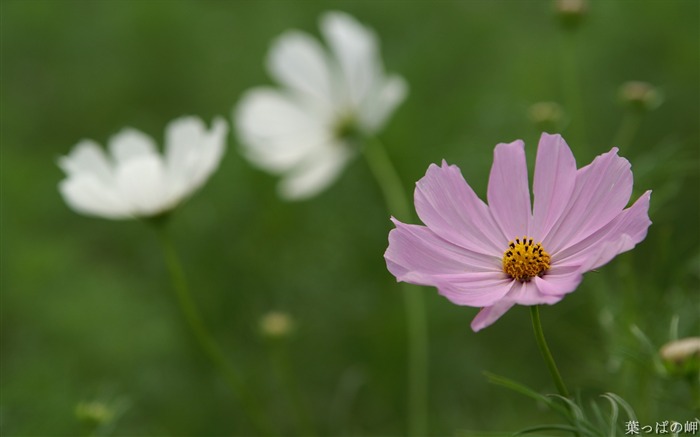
(627, 130)
(210, 347)
(388, 179)
(418, 359)
(546, 354)
(694, 383)
(280, 359)
(416, 323)
(572, 90)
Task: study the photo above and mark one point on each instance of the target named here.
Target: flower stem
(279, 357)
(546, 354)
(206, 341)
(418, 359)
(388, 179)
(627, 130)
(416, 323)
(572, 89)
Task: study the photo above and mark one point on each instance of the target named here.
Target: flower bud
(276, 324)
(546, 116)
(570, 12)
(682, 357)
(639, 96)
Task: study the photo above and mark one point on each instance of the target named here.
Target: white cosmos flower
(301, 131)
(136, 180)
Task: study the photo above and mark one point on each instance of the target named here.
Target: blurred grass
(87, 312)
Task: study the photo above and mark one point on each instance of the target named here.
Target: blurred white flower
(303, 132)
(136, 180)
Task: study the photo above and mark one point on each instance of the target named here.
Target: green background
(87, 308)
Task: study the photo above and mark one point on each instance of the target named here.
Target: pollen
(523, 260)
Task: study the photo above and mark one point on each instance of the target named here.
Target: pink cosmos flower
(510, 252)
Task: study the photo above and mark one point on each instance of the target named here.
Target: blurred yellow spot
(94, 412)
(276, 324)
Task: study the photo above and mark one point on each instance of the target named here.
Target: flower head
(137, 181)
(571, 12)
(546, 115)
(639, 96)
(304, 131)
(682, 357)
(509, 251)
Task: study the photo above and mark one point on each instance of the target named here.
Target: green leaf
(524, 390)
(623, 403)
(602, 423)
(532, 429)
(613, 414)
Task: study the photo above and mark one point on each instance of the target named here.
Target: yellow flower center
(524, 260)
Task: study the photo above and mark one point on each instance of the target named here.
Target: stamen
(525, 260)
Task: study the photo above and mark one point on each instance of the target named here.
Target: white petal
(181, 139)
(381, 103)
(192, 153)
(299, 62)
(316, 173)
(356, 49)
(142, 181)
(131, 144)
(276, 131)
(212, 146)
(87, 194)
(87, 158)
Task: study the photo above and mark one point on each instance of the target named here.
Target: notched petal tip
(84, 152)
(342, 22)
(130, 143)
(509, 147)
(556, 141)
(435, 169)
(186, 120)
(336, 14)
(444, 165)
(546, 136)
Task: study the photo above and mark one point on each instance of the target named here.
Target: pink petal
(473, 289)
(620, 235)
(522, 293)
(450, 208)
(555, 177)
(602, 190)
(508, 192)
(559, 281)
(417, 255)
(527, 293)
(488, 315)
